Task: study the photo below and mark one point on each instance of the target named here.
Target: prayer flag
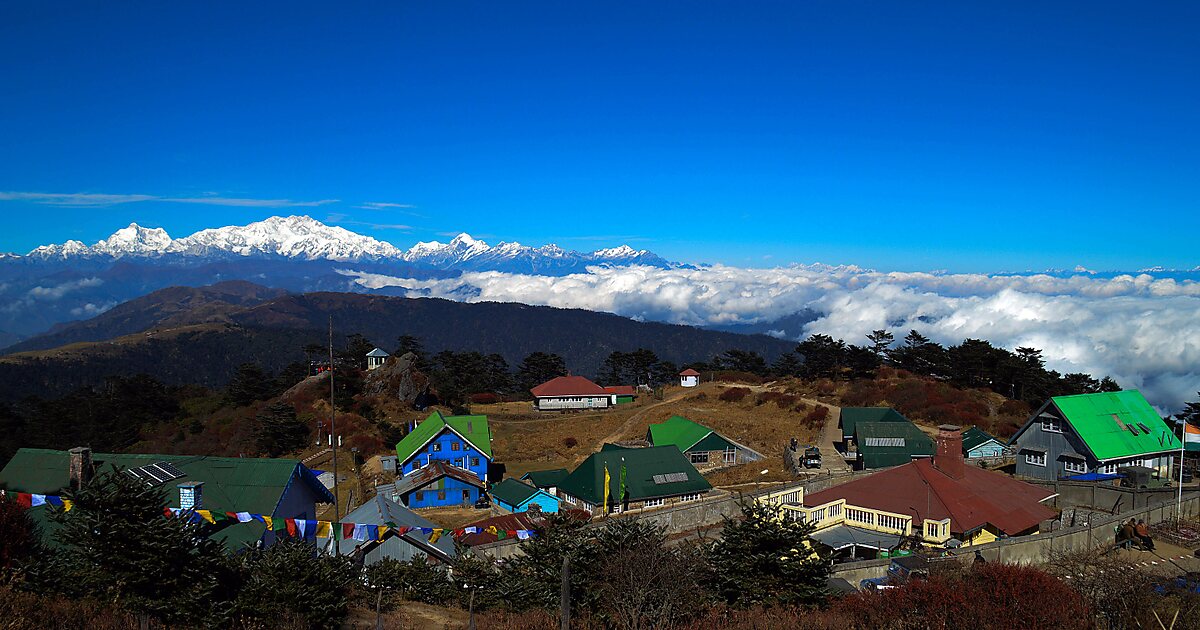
(491, 529)
(206, 515)
(437, 534)
(512, 533)
(53, 500)
(291, 526)
(37, 499)
(621, 486)
(372, 532)
(244, 517)
(360, 532)
(324, 529)
(347, 531)
(606, 481)
(471, 530)
(24, 499)
(523, 534)
(67, 505)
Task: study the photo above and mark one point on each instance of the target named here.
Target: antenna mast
(333, 443)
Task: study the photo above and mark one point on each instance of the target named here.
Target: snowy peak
(623, 251)
(290, 237)
(134, 240)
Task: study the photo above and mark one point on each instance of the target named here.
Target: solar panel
(157, 473)
(670, 478)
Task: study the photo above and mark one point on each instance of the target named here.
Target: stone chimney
(949, 457)
(80, 467)
(191, 495)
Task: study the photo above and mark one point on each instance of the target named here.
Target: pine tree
(249, 383)
(762, 559)
(116, 545)
(279, 431)
(289, 580)
(881, 342)
(539, 367)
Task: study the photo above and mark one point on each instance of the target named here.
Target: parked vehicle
(812, 457)
(1141, 477)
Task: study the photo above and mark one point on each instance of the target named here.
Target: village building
(571, 392)
(978, 443)
(517, 496)
(376, 358)
(689, 378)
(438, 484)
(382, 510)
(942, 501)
(883, 444)
(548, 480)
(280, 488)
(702, 446)
(1094, 433)
(849, 417)
(463, 443)
(654, 476)
(621, 394)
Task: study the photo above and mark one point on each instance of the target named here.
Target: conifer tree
(279, 431)
(762, 559)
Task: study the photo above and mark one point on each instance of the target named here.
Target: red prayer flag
(512, 533)
(167, 512)
(24, 499)
(347, 530)
(291, 526)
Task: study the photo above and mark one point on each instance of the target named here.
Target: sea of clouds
(1141, 329)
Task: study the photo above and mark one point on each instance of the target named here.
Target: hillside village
(881, 497)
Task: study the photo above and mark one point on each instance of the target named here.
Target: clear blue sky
(891, 135)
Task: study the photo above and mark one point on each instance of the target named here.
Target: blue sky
(944, 136)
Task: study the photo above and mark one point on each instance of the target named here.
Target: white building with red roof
(571, 392)
(941, 501)
(689, 378)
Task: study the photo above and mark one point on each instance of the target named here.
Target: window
(1074, 466)
(1052, 425)
(1035, 459)
(700, 458)
(652, 503)
(730, 456)
(474, 461)
(466, 495)
(437, 447)
(1107, 469)
(931, 530)
(690, 497)
(441, 495)
(569, 499)
(420, 495)
(454, 446)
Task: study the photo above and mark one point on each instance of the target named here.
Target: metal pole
(1182, 444)
(471, 610)
(333, 442)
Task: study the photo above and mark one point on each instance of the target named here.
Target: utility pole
(333, 442)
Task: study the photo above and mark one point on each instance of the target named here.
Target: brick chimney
(949, 457)
(80, 467)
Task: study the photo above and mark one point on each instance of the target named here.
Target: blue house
(515, 496)
(462, 441)
(980, 443)
(436, 485)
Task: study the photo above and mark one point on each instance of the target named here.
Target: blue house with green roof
(462, 442)
(1094, 433)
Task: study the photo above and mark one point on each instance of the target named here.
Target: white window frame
(1052, 425)
(652, 503)
(570, 499)
(1035, 459)
(1074, 466)
(689, 497)
(730, 456)
(699, 457)
(1107, 469)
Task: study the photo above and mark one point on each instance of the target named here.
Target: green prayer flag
(501, 534)
(621, 486)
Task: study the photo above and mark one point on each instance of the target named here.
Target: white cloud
(56, 292)
(1142, 330)
(91, 310)
(99, 200)
(384, 205)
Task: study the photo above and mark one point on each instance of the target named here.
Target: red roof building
(621, 390)
(689, 378)
(939, 499)
(689, 372)
(510, 523)
(571, 392)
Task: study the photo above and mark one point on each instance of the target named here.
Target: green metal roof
(231, 484)
(714, 442)
(677, 431)
(473, 429)
(915, 443)
(513, 492)
(975, 436)
(851, 416)
(547, 478)
(641, 465)
(1103, 422)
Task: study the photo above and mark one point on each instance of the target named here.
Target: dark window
(436, 447)
(441, 495)
(419, 495)
(700, 457)
(454, 446)
(466, 495)
(474, 461)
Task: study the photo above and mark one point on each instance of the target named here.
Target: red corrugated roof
(689, 372)
(621, 390)
(980, 497)
(568, 386)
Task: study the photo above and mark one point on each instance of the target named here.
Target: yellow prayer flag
(382, 530)
(269, 521)
(324, 529)
(206, 515)
(491, 529)
(437, 533)
(67, 504)
(606, 480)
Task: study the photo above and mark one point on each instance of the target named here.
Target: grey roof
(843, 536)
(378, 352)
(381, 510)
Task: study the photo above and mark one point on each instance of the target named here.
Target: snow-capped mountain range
(305, 238)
